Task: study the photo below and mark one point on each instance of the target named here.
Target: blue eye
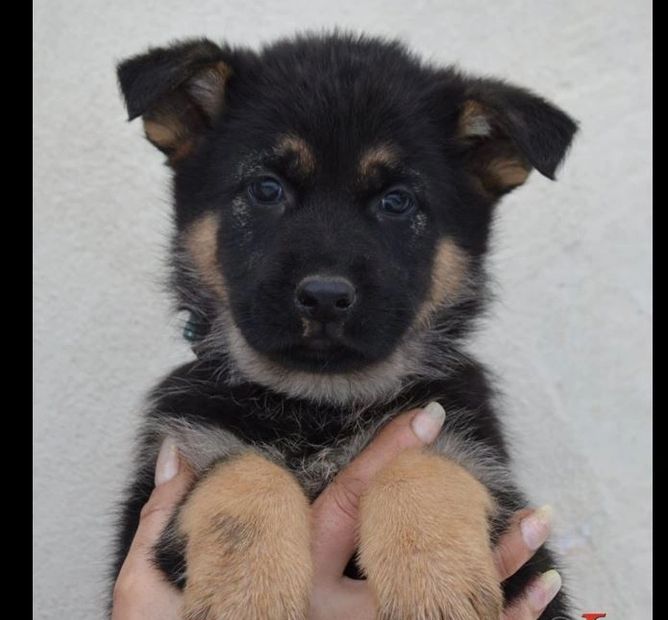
(397, 202)
(266, 191)
(195, 326)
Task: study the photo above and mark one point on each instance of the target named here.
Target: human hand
(335, 518)
(142, 593)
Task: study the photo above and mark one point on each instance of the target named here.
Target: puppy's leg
(424, 542)
(247, 531)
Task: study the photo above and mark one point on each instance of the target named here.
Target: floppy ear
(178, 91)
(507, 131)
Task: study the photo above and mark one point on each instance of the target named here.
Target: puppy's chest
(313, 465)
(313, 444)
(316, 466)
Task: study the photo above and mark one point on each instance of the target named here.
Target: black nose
(324, 298)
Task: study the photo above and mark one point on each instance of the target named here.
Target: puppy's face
(333, 200)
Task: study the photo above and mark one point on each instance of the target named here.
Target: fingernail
(167, 465)
(428, 422)
(544, 589)
(536, 527)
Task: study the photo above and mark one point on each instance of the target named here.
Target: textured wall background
(569, 337)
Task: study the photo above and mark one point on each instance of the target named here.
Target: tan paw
(247, 553)
(424, 542)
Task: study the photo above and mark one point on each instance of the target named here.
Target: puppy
(333, 199)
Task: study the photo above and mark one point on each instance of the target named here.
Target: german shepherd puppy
(333, 199)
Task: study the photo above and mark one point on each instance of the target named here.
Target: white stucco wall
(570, 335)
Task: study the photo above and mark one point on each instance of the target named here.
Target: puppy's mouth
(322, 347)
(321, 336)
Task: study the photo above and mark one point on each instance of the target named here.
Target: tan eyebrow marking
(376, 156)
(291, 144)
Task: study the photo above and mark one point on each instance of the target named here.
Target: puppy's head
(333, 200)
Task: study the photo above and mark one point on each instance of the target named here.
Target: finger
(335, 510)
(140, 591)
(173, 478)
(342, 600)
(537, 597)
(529, 529)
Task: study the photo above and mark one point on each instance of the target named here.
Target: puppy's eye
(397, 202)
(266, 191)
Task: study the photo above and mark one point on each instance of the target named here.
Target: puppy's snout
(324, 298)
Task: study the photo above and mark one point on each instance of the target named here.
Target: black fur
(341, 95)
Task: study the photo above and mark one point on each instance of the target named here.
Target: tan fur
(424, 542)
(169, 134)
(376, 381)
(448, 275)
(201, 244)
(161, 132)
(248, 543)
(382, 155)
(174, 123)
(297, 147)
(508, 173)
(207, 87)
(473, 120)
(496, 162)
(166, 131)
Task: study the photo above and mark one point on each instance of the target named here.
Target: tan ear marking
(175, 123)
(208, 88)
(161, 132)
(495, 160)
(508, 173)
(498, 166)
(473, 121)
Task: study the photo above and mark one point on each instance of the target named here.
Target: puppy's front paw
(424, 542)
(247, 551)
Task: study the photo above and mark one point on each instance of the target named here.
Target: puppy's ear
(507, 131)
(179, 91)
